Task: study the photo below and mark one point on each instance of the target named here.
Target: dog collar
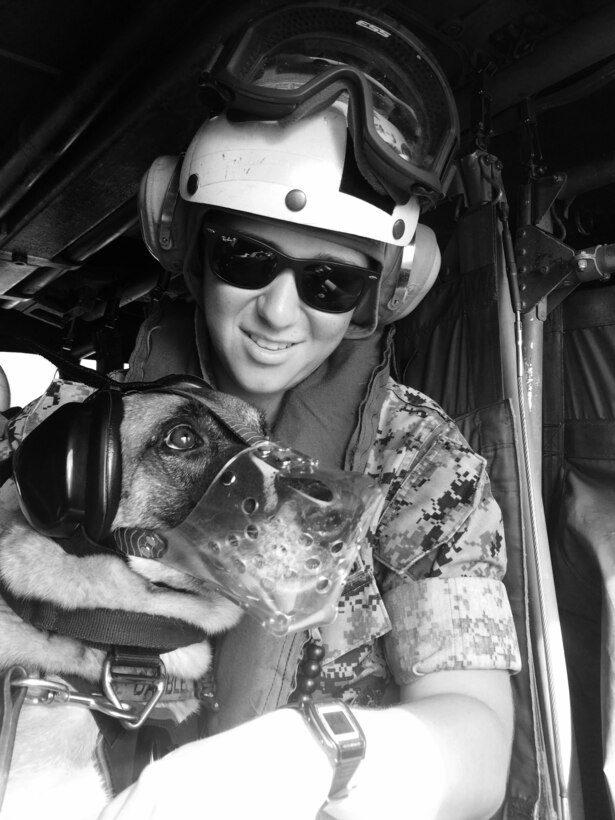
(105, 627)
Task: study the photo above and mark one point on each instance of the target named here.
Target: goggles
(400, 108)
(245, 262)
(273, 533)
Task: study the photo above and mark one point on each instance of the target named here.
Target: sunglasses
(245, 262)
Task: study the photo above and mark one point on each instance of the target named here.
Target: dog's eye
(182, 437)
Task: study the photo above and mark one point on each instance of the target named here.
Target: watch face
(338, 723)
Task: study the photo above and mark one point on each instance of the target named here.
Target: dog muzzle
(273, 533)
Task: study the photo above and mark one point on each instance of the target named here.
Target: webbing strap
(6, 470)
(10, 707)
(105, 627)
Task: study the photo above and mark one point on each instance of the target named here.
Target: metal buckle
(58, 692)
(147, 671)
(125, 668)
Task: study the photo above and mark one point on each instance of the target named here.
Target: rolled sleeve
(449, 623)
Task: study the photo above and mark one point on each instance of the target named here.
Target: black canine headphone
(68, 469)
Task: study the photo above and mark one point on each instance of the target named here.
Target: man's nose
(279, 303)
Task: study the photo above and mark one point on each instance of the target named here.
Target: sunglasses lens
(241, 262)
(247, 263)
(331, 288)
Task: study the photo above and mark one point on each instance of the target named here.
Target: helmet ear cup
(68, 469)
(160, 212)
(419, 267)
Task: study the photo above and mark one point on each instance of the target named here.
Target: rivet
(249, 506)
(398, 229)
(192, 186)
(296, 200)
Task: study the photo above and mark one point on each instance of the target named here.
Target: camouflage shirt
(429, 594)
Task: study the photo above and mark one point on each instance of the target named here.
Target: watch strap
(346, 751)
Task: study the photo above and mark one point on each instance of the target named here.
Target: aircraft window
(27, 375)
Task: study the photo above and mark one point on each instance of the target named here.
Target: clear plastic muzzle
(276, 535)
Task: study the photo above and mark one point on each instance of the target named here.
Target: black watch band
(340, 735)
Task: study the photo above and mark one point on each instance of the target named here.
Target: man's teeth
(268, 345)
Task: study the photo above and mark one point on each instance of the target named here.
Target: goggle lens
(245, 262)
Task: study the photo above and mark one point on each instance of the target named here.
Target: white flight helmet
(355, 141)
(294, 172)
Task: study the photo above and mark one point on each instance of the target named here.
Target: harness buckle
(136, 673)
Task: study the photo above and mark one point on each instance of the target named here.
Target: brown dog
(171, 447)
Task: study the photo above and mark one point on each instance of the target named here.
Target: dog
(171, 447)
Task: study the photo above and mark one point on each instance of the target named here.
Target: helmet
(401, 112)
(298, 172)
(323, 116)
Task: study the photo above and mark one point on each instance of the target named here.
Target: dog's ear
(68, 469)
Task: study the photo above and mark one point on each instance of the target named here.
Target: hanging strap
(10, 707)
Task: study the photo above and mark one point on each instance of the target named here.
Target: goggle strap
(354, 128)
(320, 101)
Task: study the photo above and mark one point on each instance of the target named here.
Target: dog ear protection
(162, 218)
(68, 469)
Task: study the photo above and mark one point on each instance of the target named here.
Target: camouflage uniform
(434, 598)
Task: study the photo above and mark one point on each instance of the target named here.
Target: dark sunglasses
(245, 262)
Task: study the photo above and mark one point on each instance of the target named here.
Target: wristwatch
(341, 737)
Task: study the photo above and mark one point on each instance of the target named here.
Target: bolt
(581, 264)
(295, 200)
(192, 186)
(398, 228)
